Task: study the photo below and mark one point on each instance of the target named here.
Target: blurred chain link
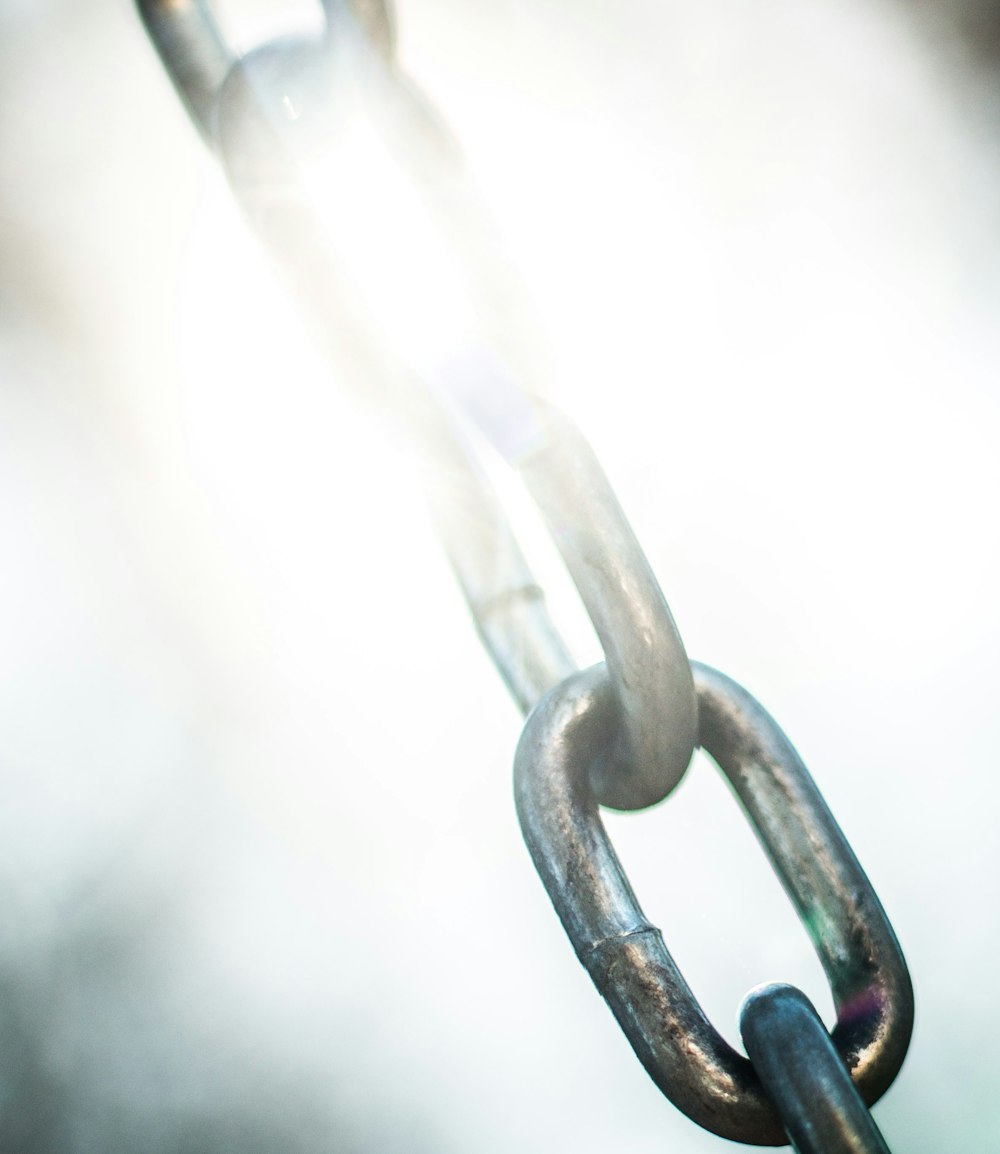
(284, 120)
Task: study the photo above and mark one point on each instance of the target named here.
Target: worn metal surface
(804, 1075)
(625, 955)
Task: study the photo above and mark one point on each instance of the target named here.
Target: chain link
(621, 733)
(803, 1073)
(648, 737)
(625, 955)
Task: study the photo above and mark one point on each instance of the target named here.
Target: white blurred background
(262, 884)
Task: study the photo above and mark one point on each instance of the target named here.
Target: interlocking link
(804, 1075)
(649, 733)
(621, 733)
(625, 955)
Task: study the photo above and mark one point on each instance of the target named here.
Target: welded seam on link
(528, 594)
(599, 957)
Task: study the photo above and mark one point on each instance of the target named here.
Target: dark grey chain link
(621, 733)
(799, 1066)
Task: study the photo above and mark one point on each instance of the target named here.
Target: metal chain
(621, 733)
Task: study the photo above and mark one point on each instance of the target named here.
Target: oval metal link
(800, 1068)
(647, 744)
(625, 955)
(647, 741)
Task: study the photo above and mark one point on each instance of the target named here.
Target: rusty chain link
(621, 733)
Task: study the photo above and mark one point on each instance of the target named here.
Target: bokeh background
(261, 882)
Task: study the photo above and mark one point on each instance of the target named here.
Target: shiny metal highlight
(648, 744)
(625, 955)
(804, 1075)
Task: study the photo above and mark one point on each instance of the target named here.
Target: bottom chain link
(804, 1076)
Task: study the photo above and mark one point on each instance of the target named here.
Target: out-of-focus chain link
(621, 733)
